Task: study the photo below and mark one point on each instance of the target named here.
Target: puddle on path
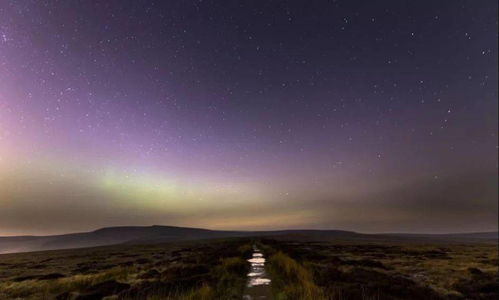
(258, 285)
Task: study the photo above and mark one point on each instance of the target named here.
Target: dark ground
(216, 269)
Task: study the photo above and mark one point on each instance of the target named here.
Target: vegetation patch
(290, 280)
(217, 269)
(356, 270)
(197, 270)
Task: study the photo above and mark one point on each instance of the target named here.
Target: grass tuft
(290, 280)
(46, 289)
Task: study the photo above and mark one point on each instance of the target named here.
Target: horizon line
(265, 230)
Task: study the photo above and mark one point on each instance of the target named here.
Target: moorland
(299, 268)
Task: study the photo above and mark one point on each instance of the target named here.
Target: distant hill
(472, 236)
(159, 234)
(107, 236)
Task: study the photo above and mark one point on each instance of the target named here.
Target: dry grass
(206, 270)
(356, 270)
(290, 280)
(45, 289)
(205, 292)
(212, 270)
(230, 275)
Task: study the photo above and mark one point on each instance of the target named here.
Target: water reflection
(258, 286)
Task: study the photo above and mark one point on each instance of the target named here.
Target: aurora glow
(265, 115)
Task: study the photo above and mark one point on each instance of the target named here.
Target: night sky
(374, 116)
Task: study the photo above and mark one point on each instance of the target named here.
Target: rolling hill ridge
(159, 234)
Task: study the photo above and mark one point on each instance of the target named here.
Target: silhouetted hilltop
(159, 234)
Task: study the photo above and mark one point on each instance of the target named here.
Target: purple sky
(249, 115)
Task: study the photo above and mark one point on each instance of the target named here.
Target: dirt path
(259, 284)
